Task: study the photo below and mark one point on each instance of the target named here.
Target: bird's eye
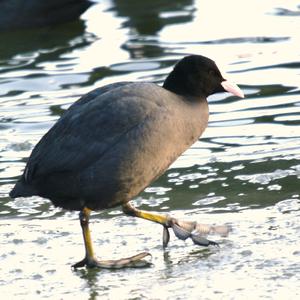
(212, 73)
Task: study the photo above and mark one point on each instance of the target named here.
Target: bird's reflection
(146, 16)
(23, 41)
(90, 276)
(145, 19)
(19, 14)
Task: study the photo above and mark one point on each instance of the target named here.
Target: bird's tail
(21, 189)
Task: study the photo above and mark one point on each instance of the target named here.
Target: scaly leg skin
(182, 229)
(90, 261)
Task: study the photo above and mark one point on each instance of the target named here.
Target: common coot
(117, 139)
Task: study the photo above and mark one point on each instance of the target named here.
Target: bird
(114, 141)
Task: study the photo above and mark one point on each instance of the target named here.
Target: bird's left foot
(136, 261)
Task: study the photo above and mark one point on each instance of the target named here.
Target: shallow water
(244, 171)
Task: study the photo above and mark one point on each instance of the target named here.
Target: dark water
(244, 171)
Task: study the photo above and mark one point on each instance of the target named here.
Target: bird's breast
(158, 142)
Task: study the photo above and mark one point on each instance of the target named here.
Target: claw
(182, 229)
(222, 230)
(197, 232)
(214, 243)
(136, 261)
(166, 236)
(187, 225)
(199, 240)
(180, 232)
(205, 229)
(80, 264)
(202, 241)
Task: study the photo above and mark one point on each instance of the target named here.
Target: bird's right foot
(182, 229)
(193, 230)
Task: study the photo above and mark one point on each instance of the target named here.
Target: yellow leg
(154, 217)
(90, 259)
(84, 222)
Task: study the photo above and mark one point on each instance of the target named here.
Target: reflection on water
(244, 171)
(149, 17)
(15, 14)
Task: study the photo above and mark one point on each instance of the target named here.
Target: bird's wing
(96, 93)
(85, 132)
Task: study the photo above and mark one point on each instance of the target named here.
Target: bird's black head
(196, 76)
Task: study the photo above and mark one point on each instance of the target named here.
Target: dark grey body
(111, 144)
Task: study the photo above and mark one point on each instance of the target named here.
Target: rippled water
(244, 171)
